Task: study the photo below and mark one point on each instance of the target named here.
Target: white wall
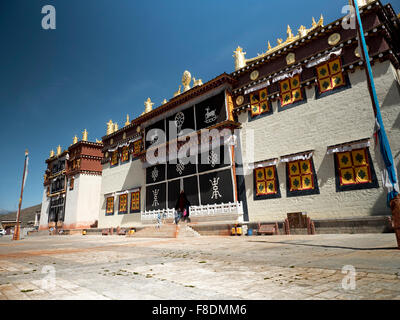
(122, 177)
(44, 213)
(82, 204)
(341, 117)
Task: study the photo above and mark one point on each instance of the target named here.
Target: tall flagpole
(391, 176)
(17, 227)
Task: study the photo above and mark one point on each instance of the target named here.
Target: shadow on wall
(129, 184)
(325, 170)
(392, 96)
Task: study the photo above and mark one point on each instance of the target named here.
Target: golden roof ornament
(85, 135)
(51, 153)
(240, 60)
(289, 33)
(58, 150)
(314, 24)
(186, 79)
(302, 31)
(98, 141)
(198, 82)
(177, 93)
(115, 127)
(164, 101)
(75, 140)
(110, 127)
(148, 105)
(127, 123)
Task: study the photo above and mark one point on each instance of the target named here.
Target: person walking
(182, 208)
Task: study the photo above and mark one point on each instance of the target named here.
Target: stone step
(185, 231)
(164, 231)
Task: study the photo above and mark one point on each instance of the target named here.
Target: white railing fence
(231, 208)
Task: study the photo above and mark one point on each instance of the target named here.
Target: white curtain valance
(287, 75)
(125, 144)
(258, 87)
(262, 164)
(301, 156)
(348, 147)
(324, 58)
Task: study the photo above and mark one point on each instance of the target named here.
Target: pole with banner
(390, 179)
(17, 227)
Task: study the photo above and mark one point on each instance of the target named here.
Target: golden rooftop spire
(240, 60)
(110, 127)
(85, 135)
(75, 140)
(58, 150)
(51, 153)
(127, 123)
(289, 33)
(148, 105)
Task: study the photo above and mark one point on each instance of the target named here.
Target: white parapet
(209, 210)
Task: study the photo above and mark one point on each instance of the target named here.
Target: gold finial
(186, 78)
(177, 93)
(289, 33)
(314, 24)
(110, 127)
(280, 41)
(240, 60)
(164, 101)
(115, 127)
(269, 46)
(98, 141)
(148, 105)
(84, 135)
(198, 82)
(321, 21)
(127, 123)
(58, 150)
(75, 140)
(302, 31)
(51, 153)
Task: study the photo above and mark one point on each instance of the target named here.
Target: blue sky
(106, 57)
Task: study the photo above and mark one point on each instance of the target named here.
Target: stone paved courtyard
(257, 267)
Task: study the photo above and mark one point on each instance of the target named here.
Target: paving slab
(260, 267)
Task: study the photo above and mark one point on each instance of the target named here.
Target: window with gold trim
(330, 76)
(123, 203)
(114, 158)
(354, 170)
(290, 91)
(135, 202)
(125, 154)
(110, 206)
(137, 147)
(301, 178)
(266, 183)
(259, 103)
